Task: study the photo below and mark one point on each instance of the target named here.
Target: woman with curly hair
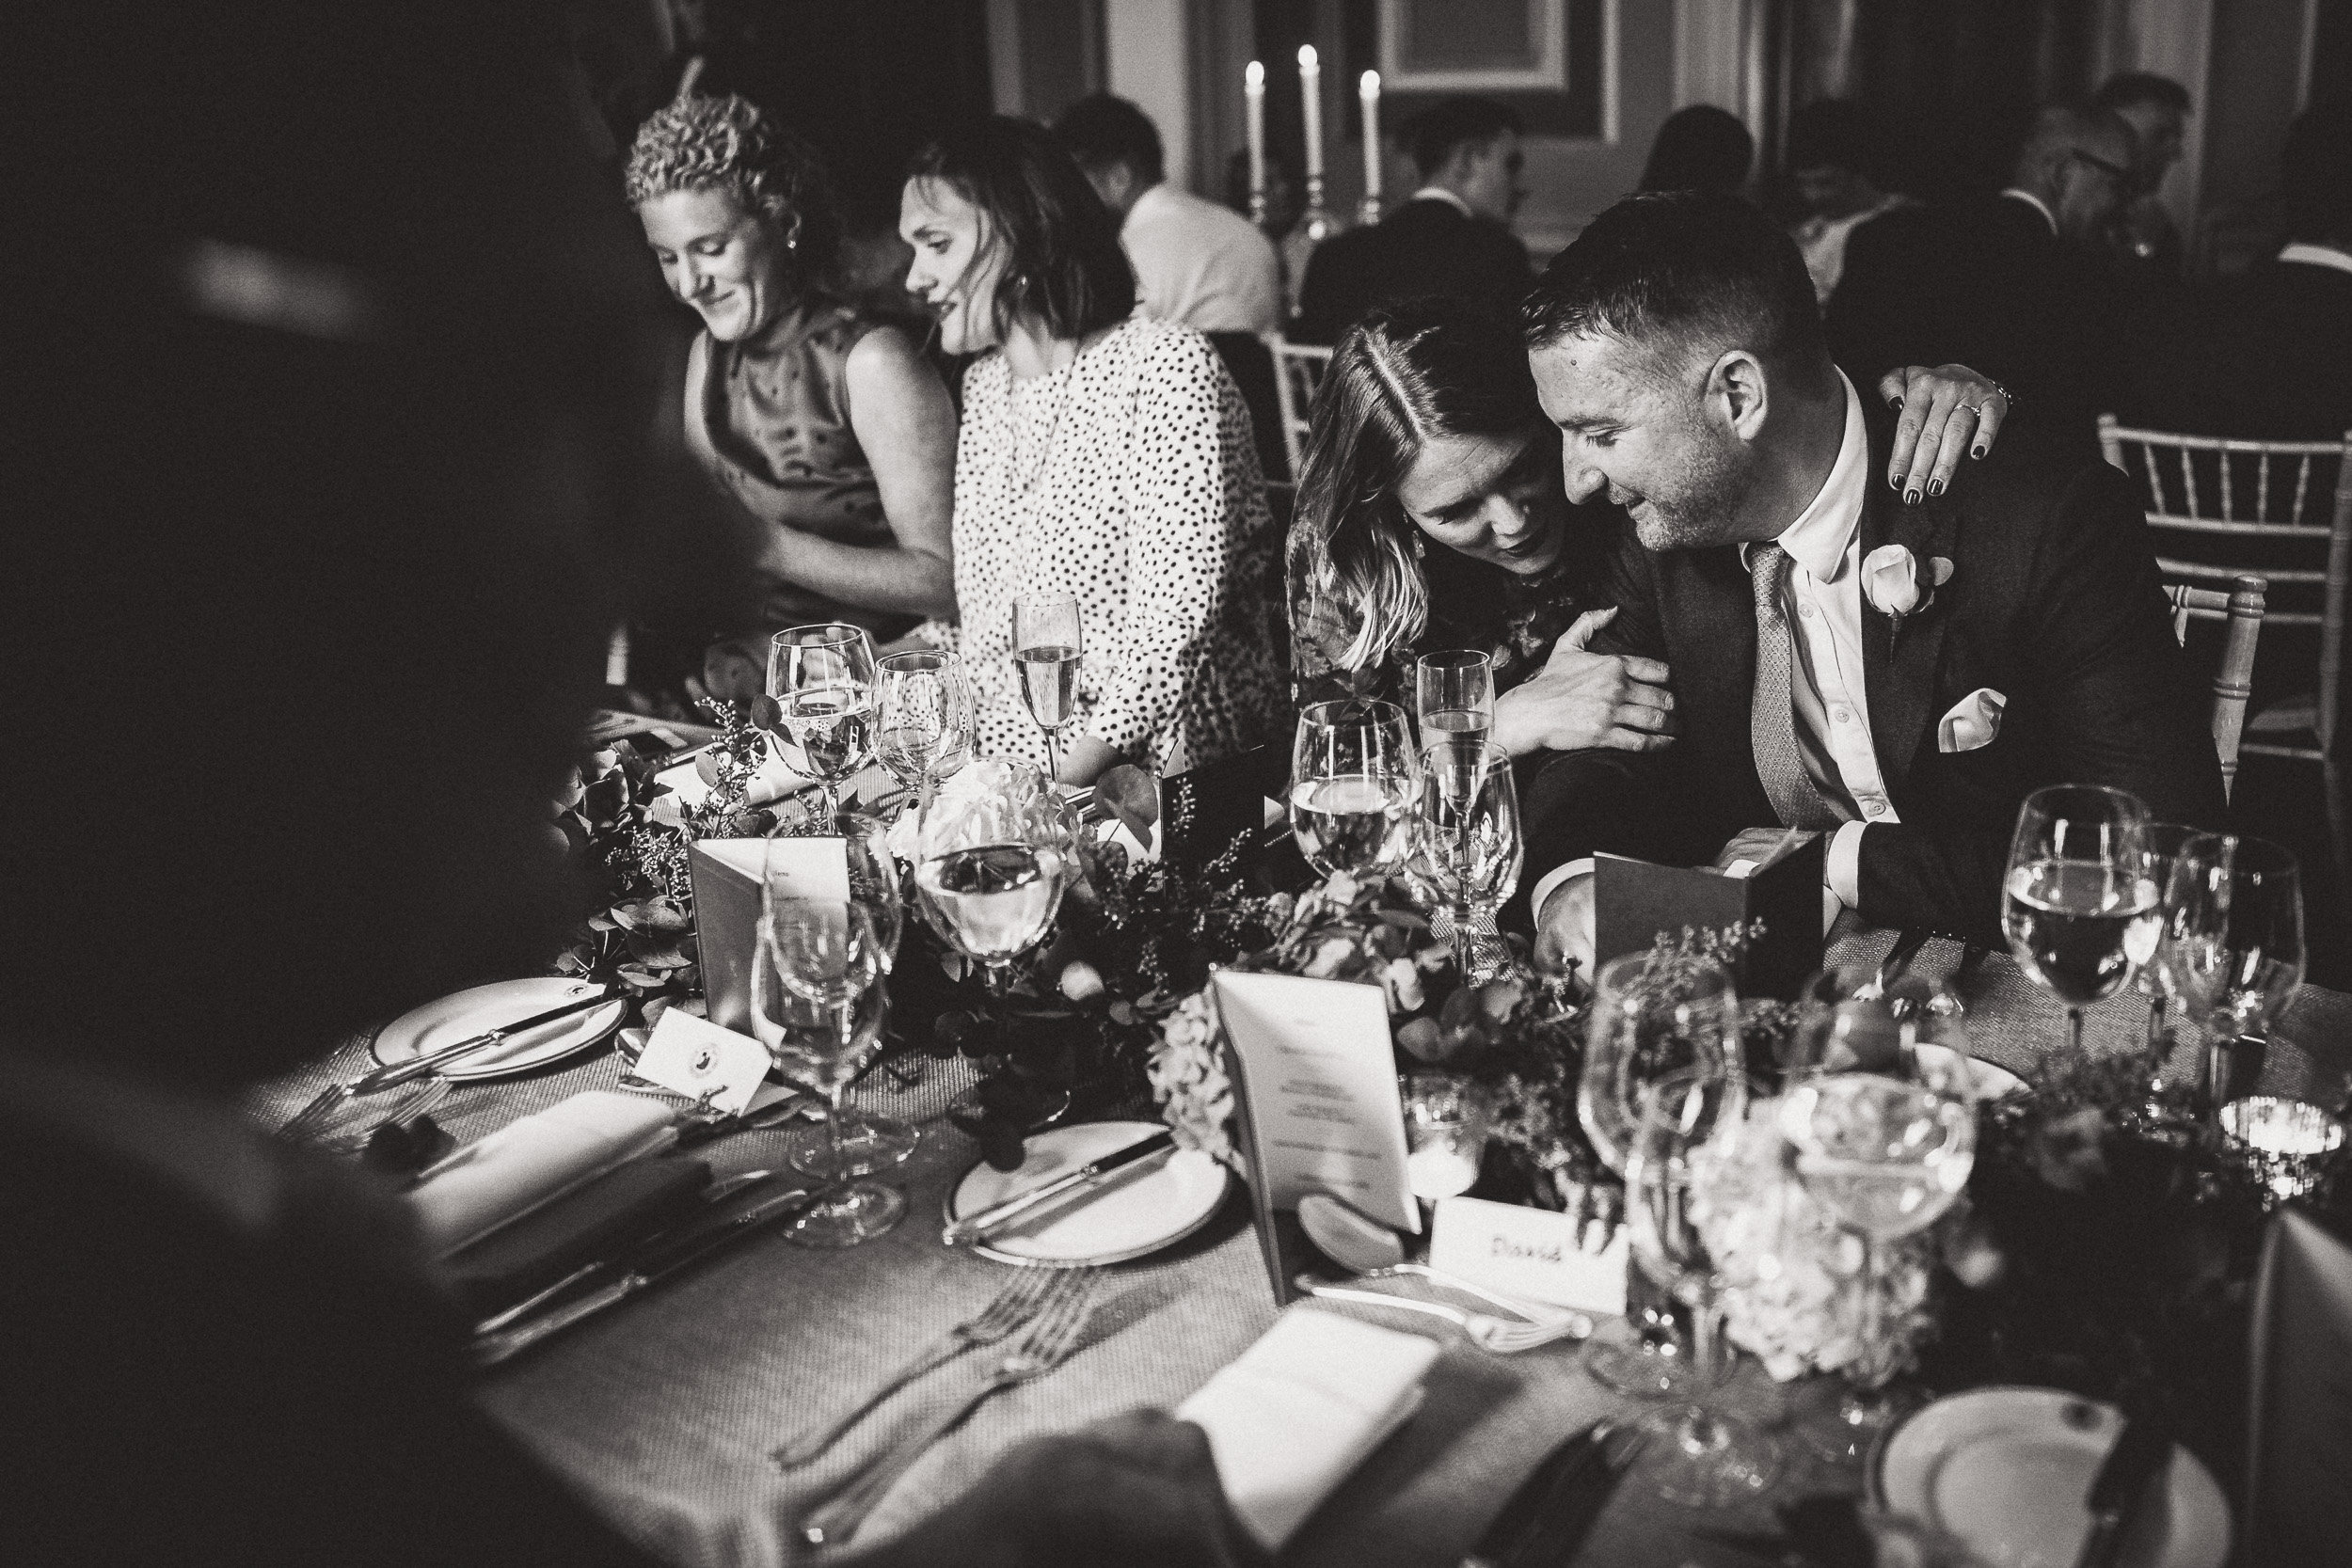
(1103, 457)
(830, 428)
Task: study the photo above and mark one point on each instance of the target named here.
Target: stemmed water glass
(990, 870)
(1705, 1459)
(1469, 835)
(1646, 1021)
(2079, 906)
(1454, 691)
(819, 1004)
(823, 679)
(926, 717)
(2155, 980)
(2262, 954)
(1048, 644)
(1354, 779)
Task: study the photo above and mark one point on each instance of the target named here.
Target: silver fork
(1495, 1336)
(1053, 1334)
(996, 1321)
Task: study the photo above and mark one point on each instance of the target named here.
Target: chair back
(2234, 682)
(2283, 509)
(1298, 373)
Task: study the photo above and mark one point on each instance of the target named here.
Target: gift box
(1634, 902)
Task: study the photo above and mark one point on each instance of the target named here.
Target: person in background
(1834, 172)
(2017, 285)
(2157, 110)
(1285, 205)
(1104, 455)
(831, 433)
(360, 571)
(1452, 236)
(1196, 263)
(1700, 148)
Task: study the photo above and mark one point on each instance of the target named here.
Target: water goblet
(1353, 776)
(991, 869)
(925, 713)
(822, 680)
(2078, 905)
(1048, 646)
(1469, 840)
(2262, 958)
(1454, 692)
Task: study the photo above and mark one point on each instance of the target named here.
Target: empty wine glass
(2079, 907)
(2261, 955)
(819, 1004)
(1470, 838)
(1353, 782)
(926, 717)
(823, 679)
(991, 869)
(2165, 843)
(1648, 1018)
(2183, 975)
(1705, 1459)
(1454, 691)
(1048, 646)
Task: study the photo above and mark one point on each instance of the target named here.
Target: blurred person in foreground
(1452, 236)
(828, 431)
(1700, 148)
(348, 590)
(1836, 172)
(2157, 109)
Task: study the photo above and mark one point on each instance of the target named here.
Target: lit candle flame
(1307, 57)
(1255, 76)
(1370, 86)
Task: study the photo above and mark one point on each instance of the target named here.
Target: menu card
(727, 874)
(2299, 1440)
(1315, 1078)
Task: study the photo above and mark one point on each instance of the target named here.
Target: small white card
(1319, 1086)
(695, 1057)
(1527, 1252)
(794, 868)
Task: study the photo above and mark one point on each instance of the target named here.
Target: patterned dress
(1128, 479)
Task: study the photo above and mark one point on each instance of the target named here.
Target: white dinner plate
(2007, 1471)
(1157, 1203)
(1990, 1080)
(478, 1011)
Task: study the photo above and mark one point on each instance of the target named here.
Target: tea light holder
(2285, 1138)
(1445, 1135)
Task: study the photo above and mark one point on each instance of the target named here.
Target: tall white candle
(1311, 89)
(1253, 95)
(1368, 93)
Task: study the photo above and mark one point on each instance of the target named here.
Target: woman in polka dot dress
(1102, 456)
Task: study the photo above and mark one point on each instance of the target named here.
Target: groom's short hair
(1683, 270)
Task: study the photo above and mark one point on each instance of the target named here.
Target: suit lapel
(1899, 662)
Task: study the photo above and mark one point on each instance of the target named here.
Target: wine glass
(2262, 954)
(817, 1005)
(1352, 782)
(991, 869)
(2165, 841)
(926, 717)
(2079, 908)
(1453, 690)
(1879, 1119)
(1705, 1459)
(868, 1140)
(1047, 645)
(822, 678)
(1469, 835)
(1648, 1018)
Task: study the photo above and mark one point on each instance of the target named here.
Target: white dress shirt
(1201, 265)
(2036, 203)
(2318, 256)
(1825, 679)
(1438, 193)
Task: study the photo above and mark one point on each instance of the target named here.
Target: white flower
(1332, 953)
(1082, 981)
(979, 779)
(1187, 1075)
(1401, 981)
(1890, 580)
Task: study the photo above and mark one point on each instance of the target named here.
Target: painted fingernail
(1935, 487)
(1894, 482)
(1975, 451)
(1896, 403)
(1910, 497)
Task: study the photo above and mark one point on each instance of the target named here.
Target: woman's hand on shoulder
(1582, 699)
(1945, 411)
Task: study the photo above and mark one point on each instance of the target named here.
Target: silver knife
(974, 1228)
(491, 1349)
(2126, 1481)
(417, 1066)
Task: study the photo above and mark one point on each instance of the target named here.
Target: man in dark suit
(2017, 285)
(1452, 236)
(1677, 348)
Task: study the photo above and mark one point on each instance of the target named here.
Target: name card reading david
(1532, 1253)
(1319, 1087)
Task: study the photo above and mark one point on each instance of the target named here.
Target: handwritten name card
(1532, 1253)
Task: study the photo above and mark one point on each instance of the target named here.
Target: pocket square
(1975, 719)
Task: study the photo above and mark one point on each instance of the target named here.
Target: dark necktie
(1772, 718)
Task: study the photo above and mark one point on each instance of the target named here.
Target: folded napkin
(601, 1219)
(1295, 1415)
(533, 1162)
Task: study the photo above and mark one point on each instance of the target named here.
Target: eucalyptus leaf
(1133, 796)
(654, 916)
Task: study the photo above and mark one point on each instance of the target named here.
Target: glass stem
(2157, 1039)
(1053, 760)
(832, 1124)
(2075, 1027)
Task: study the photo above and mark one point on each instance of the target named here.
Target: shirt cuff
(1554, 880)
(1842, 871)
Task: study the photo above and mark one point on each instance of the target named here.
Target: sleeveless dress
(768, 420)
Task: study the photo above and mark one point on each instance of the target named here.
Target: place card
(727, 874)
(1532, 1253)
(696, 1059)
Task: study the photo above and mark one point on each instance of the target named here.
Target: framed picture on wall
(1473, 45)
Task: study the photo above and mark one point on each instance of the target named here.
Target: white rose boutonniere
(1895, 584)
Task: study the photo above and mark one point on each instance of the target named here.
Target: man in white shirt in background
(1197, 262)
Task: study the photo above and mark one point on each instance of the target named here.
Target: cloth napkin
(1298, 1411)
(603, 1218)
(532, 1161)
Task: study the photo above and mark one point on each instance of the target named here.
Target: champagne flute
(2079, 908)
(926, 717)
(822, 678)
(1645, 1022)
(2261, 955)
(1705, 1459)
(1469, 834)
(1048, 644)
(1454, 693)
(817, 1005)
(1353, 782)
(990, 871)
